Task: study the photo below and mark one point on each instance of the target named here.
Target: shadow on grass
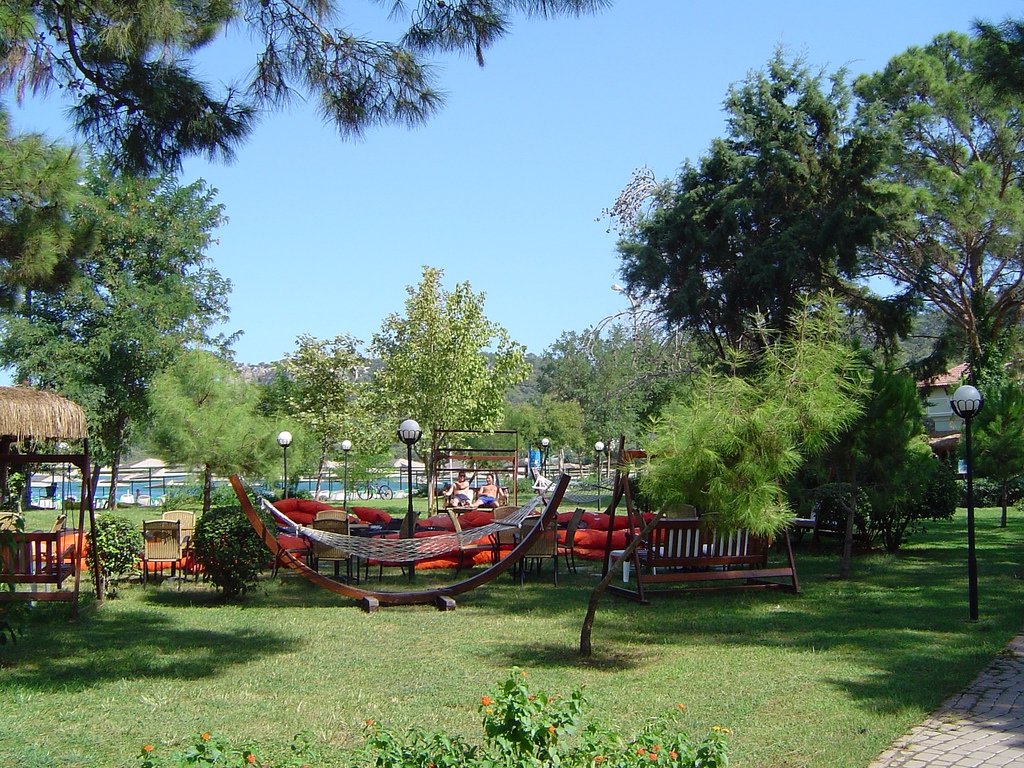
(131, 645)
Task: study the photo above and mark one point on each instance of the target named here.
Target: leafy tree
(203, 414)
(730, 443)
(128, 67)
(39, 187)
(561, 421)
(145, 292)
(957, 166)
(329, 397)
(999, 437)
(434, 367)
(779, 209)
(1002, 54)
(618, 378)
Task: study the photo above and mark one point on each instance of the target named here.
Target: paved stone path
(982, 725)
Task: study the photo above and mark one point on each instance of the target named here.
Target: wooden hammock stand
(370, 600)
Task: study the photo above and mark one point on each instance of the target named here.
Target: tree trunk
(207, 488)
(1004, 489)
(851, 514)
(319, 474)
(595, 596)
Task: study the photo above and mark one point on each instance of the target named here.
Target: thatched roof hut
(26, 412)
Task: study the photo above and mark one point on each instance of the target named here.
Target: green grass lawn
(826, 678)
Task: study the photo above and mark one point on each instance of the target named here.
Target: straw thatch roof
(26, 412)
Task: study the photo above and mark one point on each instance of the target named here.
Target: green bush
(923, 488)
(988, 493)
(228, 549)
(521, 729)
(526, 729)
(119, 543)
(830, 503)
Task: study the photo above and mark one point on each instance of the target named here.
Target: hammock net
(398, 550)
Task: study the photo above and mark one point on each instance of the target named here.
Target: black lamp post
(284, 439)
(346, 446)
(409, 432)
(598, 451)
(966, 403)
(545, 443)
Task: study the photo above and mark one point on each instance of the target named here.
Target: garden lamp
(598, 451)
(346, 446)
(966, 403)
(545, 443)
(284, 439)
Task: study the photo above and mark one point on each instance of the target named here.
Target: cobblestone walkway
(982, 725)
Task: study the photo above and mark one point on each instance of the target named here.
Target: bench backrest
(680, 543)
(34, 558)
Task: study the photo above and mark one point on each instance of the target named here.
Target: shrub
(923, 488)
(228, 549)
(119, 543)
(830, 508)
(520, 729)
(526, 729)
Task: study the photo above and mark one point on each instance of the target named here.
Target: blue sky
(505, 187)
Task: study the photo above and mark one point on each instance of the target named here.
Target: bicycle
(371, 489)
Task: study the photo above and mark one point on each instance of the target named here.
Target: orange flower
(551, 729)
(599, 758)
(531, 697)
(205, 736)
(370, 723)
(147, 748)
(681, 707)
(673, 754)
(486, 701)
(250, 758)
(653, 756)
(656, 748)
(641, 751)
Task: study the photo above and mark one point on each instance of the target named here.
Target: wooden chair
(568, 546)
(544, 548)
(188, 524)
(326, 552)
(187, 520)
(332, 514)
(161, 545)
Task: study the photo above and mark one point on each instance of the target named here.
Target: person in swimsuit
(459, 493)
(487, 494)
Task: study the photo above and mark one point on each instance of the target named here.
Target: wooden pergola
(30, 418)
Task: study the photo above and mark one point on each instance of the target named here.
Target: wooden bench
(682, 551)
(38, 559)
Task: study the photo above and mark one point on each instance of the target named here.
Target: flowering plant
(522, 728)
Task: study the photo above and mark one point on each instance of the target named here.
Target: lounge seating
(683, 551)
(39, 559)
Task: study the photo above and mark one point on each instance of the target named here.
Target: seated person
(488, 494)
(459, 494)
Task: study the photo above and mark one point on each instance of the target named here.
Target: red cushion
(371, 515)
(438, 521)
(302, 511)
(475, 518)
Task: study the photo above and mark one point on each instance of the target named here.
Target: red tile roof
(954, 375)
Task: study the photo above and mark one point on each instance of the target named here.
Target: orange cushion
(595, 539)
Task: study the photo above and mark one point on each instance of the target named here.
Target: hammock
(406, 550)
